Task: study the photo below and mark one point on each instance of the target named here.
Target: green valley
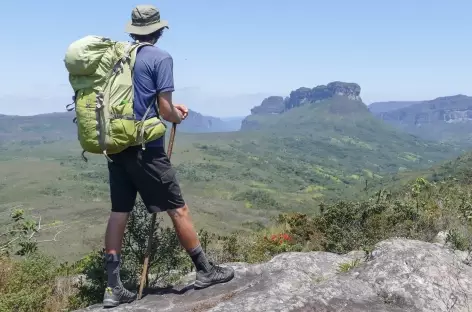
(316, 150)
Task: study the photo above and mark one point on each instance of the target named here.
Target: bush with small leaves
(167, 262)
(29, 284)
(18, 237)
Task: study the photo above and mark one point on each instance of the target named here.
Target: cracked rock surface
(399, 276)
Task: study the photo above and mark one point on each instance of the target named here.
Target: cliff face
(445, 118)
(449, 109)
(399, 275)
(300, 97)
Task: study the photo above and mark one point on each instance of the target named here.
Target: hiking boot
(116, 296)
(217, 275)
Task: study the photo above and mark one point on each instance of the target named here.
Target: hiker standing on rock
(149, 171)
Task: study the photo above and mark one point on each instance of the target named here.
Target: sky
(229, 55)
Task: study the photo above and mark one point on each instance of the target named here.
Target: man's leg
(156, 181)
(113, 241)
(207, 273)
(123, 196)
(115, 232)
(188, 237)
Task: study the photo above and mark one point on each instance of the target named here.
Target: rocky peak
(303, 95)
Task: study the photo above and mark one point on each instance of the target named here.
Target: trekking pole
(153, 222)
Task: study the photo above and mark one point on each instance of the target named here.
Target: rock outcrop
(299, 97)
(450, 109)
(398, 276)
(302, 96)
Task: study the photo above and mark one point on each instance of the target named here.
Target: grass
(32, 284)
(347, 266)
(50, 182)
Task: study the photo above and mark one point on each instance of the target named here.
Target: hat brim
(145, 30)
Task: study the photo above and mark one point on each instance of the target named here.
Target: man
(149, 171)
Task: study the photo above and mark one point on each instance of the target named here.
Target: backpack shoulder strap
(133, 50)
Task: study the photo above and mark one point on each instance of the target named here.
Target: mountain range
(330, 126)
(198, 123)
(383, 107)
(323, 137)
(59, 126)
(444, 119)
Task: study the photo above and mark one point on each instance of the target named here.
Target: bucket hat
(145, 19)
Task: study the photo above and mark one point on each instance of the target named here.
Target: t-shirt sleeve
(164, 75)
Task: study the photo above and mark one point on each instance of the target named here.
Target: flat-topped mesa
(302, 96)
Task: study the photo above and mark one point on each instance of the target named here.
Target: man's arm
(164, 79)
(167, 109)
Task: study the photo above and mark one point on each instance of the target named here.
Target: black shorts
(148, 172)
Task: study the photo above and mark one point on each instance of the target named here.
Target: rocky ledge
(398, 276)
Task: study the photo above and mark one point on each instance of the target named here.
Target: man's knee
(179, 213)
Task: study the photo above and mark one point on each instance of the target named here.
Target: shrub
(167, 262)
(259, 199)
(18, 237)
(258, 246)
(30, 284)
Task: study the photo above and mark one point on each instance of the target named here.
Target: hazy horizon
(205, 105)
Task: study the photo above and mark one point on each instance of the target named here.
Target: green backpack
(100, 73)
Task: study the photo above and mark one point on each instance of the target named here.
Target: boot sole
(201, 285)
(110, 303)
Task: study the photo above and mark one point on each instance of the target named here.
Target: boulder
(399, 275)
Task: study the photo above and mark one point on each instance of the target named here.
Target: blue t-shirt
(153, 74)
